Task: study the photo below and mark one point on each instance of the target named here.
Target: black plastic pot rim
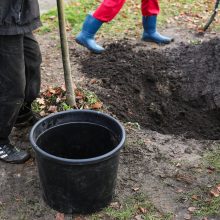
(92, 160)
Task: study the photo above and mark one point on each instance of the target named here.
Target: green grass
(131, 207)
(207, 207)
(213, 159)
(206, 204)
(128, 21)
(76, 11)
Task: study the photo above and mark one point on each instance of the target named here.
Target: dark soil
(172, 91)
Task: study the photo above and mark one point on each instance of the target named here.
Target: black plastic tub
(77, 153)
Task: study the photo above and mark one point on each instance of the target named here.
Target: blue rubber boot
(86, 37)
(150, 31)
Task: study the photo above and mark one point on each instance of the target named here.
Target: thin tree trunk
(70, 94)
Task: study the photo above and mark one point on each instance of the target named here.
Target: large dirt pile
(173, 91)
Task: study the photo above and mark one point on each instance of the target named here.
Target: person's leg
(104, 13)
(108, 9)
(32, 58)
(12, 93)
(150, 9)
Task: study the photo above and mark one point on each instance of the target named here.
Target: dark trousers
(20, 60)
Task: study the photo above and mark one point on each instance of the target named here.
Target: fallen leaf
(214, 192)
(218, 187)
(42, 107)
(179, 191)
(178, 165)
(60, 216)
(51, 90)
(58, 99)
(195, 197)
(52, 109)
(97, 105)
(58, 90)
(135, 189)
(115, 205)
(42, 113)
(147, 141)
(52, 17)
(47, 94)
(40, 101)
(192, 209)
(143, 210)
(93, 81)
(68, 28)
(79, 94)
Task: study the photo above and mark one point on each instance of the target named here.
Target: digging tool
(215, 11)
(70, 95)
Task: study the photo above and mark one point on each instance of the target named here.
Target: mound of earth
(171, 91)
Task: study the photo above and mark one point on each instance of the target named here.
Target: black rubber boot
(10, 154)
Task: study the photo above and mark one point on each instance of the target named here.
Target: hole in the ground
(172, 91)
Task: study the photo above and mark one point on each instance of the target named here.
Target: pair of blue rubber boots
(91, 26)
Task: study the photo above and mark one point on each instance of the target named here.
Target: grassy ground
(134, 207)
(191, 14)
(187, 13)
(206, 200)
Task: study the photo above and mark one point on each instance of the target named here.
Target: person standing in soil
(108, 10)
(20, 60)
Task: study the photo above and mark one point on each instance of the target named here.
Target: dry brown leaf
(195, 197)
(58, 90)
(52, 109)
(143, 210)
(58, 99)
(60, 216)
(51, 90)
(97, 105)
(115, 205)
(179, 190)
(52, 17)
(42, 107)
(40, 101)
(214, 192)
(135, 189)
(218, 187)
(47, 94)
(93, 81)
(42, 113)
(79, 94)
(178, 165)
(192, 209)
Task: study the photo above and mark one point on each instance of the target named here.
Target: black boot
(10, 154)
